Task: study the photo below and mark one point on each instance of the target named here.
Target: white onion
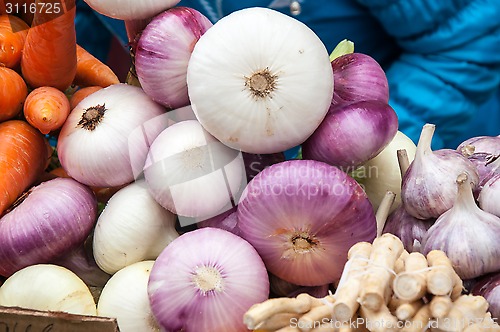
(260, 81)
(192, 174)
(130, 9)
(47, 287)
(125, 297)
(107, 135)
(133, 227)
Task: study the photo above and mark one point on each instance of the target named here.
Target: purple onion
(358, 77)
(205, 280)
(302, 216)
(352, 134)
(163, 53)
(282, 288)
(55, 217)
(407, 228)
(488, 286)
(480, 144)
(227, 220)
(429, 185)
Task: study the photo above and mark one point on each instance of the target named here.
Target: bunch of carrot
(41, 67)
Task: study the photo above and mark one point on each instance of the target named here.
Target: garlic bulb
(125, 297)
(429, 185)
(490, 196)
(47, 287)
(133, 227)
(480, 144)
(273, 84)
(467, 234)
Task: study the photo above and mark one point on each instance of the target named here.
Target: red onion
(467, 234)
(488, 286)
(302, 216)
(352, 134)
(407, 228)
(489, 198)
(206, 280)
(163, 53)
(55, 217)
(358, 77)
(429, 185)
(282, 288)
(227, 220)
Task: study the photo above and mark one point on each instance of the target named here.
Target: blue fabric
(442, 58)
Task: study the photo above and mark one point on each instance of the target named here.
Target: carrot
(80, 94)
(13, 91)
(90, 71)
(46, 109)
(24, 155)
(13, 33)
(20, 8)
(49, 55)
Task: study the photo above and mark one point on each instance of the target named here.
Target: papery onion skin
(358, 77)
(227, 220)
(302, 216)
(130, 9)
(488, 286)
(56, 216)
(489, 198)
(109, 154)
(125, 297)
(407, 228)
(273, 84)
(190, 173)
(47, 287)
(352, 134)
(163, 53)
(172, 289)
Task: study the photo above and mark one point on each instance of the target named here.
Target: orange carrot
(46, 109)
(49, 55)
(13, 33)
(20, 8)
(90, 71)
(24, 155)
(13, 92)
(80, 94)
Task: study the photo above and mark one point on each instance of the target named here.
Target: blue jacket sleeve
(450, 62)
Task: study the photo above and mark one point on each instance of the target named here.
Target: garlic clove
(490, 196)
(467, 234)
(429, 185)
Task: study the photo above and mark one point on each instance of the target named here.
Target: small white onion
(130, 9)
(47, 287)
(106, 136)
(260, 81)
(125, 297)
(133, 227)
(192, 174)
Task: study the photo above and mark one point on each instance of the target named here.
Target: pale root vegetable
(385, 251)
(406, 311)
(419, 321)
(381, 320)
(399, 266)
(440, 306)
(317, 314)
(466, 310)
(410, 285)
(346, 296)
(442, 278)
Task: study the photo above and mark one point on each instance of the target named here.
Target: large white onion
(260, 81)
(130, 9)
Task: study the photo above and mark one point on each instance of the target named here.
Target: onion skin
(358, 77)
(55, 217)
(172, 289)
(352, 134)
(488, 286)
(163, 53)
(407, 228)
(227, 220)
(304, 201)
